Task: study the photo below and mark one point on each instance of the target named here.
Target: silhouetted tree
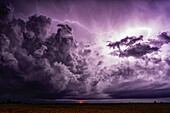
(8, 101)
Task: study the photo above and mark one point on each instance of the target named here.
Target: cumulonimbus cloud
(36, 64)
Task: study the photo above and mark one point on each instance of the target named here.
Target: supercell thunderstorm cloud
(84, 49)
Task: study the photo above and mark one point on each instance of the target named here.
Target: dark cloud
(141, 94)
(35, 66)
(6, 12)
(151, 90)
(165, 36)
(139, 50)
(41, 59)
(133, 48)
(38, 25)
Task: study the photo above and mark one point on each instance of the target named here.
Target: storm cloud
(65, 54)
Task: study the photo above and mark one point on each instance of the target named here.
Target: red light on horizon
(80, 101)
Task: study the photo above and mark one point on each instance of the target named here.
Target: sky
(102, 51)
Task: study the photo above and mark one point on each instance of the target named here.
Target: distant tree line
(9, 101)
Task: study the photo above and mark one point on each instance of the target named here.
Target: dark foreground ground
(85, 108)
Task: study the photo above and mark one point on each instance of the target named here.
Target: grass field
(85, 108)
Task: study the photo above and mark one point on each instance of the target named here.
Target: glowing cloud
(136, 31)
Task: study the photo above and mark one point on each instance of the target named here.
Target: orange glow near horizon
(80, 101)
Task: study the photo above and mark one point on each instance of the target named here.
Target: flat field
(85, 108)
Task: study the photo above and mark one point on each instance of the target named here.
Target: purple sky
(141, 70)
(97, 13)
(88, 17)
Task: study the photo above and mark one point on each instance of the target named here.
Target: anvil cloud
(59, 49)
